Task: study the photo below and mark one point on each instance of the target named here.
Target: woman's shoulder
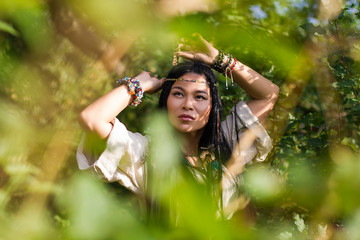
(241, 112)
(237, 123)
(120, 134)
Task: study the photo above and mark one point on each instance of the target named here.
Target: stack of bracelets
(227, 67)
(134, 88)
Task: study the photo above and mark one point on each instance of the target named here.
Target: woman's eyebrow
(178, 88)
(198, 91)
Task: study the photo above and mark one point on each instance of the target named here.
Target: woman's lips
(185, 117)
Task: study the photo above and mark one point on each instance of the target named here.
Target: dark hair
(212, 137)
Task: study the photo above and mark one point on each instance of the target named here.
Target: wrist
(144, 79)
(144, 84)
(219, 62)
(134, 89)
(224, 63)
(215, 57)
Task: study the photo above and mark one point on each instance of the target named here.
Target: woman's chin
(187, 129)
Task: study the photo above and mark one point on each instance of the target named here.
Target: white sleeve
(122, 160)
(247, 147)
(237, 123)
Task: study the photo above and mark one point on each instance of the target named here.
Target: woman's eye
(177, 94)
(200, 97)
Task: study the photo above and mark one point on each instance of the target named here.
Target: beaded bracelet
(231, 66)
(134, 88)
(226, 68)
(219, 62)
(217, 65)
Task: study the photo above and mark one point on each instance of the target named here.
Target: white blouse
(123, 159)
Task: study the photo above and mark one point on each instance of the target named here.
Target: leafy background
(57, 56)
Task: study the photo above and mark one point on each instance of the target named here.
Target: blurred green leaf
(263, 185)
(5, 27)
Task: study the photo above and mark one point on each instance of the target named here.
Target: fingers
(144, 74)
(209, 46)
(202, 40)
(188, 44)
(147, 75)
(197, 48)
(187, 55)
(156, 85)
(162, 81)
(185, 46)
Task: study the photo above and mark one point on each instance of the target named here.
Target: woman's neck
(190, 143)
(190, 147)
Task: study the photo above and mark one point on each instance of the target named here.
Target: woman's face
(189, 104)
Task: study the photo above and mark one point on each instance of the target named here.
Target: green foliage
(5, 27)
(308, 189)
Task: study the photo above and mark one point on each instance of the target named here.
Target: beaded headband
(189, 80)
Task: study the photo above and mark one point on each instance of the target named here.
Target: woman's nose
(188, 103)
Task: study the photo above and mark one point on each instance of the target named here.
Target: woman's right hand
(198, 49)
(150, 84)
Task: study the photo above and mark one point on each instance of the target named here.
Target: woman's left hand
(198, 49)
(150, 84)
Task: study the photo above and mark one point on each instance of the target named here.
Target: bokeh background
(57, 56)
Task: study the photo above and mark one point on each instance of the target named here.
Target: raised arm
(99, 116)
(262, 91)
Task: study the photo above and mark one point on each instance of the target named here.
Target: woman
(193, 106)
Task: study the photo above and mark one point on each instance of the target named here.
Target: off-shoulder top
(124, 158)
